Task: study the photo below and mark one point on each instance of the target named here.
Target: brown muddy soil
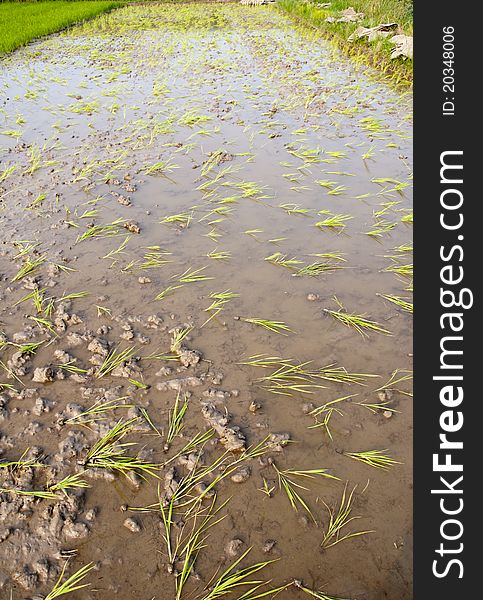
(154, 157)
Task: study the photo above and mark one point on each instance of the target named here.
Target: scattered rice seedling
(71, 584)
(29, 267)
(71, 367)
(183, 220)
(281, 259)
(397, 376)
(320, 595)
(289, 486)
(154, 258)
(333, 221)
(175, 419)
(98, 411)
(232, 579)
(69, 482)
(294, 209)
(101, 231)
(322, 414)
(219, 254)
(339, 519)
(275, 326)
(402, 303)
(374, 458)
(218, 304)
(358, 322)
(168, 291)
(113, 360)
(374, 407)
(192, 276)
(110, 453)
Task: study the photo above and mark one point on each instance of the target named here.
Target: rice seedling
(167, 291)
(29, 348)
(103, 310)
(73, 296)
(374, 458)
(316, 268)
(98, 411)
(289, 486)
(154, 258)
(113, 360)
(69, 482)
(101, 231)
(320, 595)
(71, 584)
(281, 259)
(29, 267)
(218, 304)
(232, 579)
(398, 301)
(44, 324)
(119, 249)
(7, 172)
(339, 519)
(181, 219)
(71, 367)
(374, 407)
(333, 221)
(178, 336)
(175, 419)
(42, 494)
(275, 326)
(294, 209)
(192, 276)
(37, 297)
(195, 542)
(110, 453)
(397, 376)
(402, 270)
(266, 489)
(219, 254)
(358, 322)
(323, 414)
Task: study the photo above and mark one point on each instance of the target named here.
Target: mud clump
(230, 436)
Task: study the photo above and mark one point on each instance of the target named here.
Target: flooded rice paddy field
(186, 192)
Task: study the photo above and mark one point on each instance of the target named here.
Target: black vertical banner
(447, 345)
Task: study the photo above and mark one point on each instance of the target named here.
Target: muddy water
(276, 111)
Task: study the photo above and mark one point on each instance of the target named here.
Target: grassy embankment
(21, 22)
(376, 53)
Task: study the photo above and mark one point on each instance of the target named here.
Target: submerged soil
(178, 149)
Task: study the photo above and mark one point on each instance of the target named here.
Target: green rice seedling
(100, 231)
(29, 267)
(37, 202)
(281, 260)
(103, 310)
(218, 304)
(175, 419)
(168, 291)
(339, 519)
(333, 221)
(358, 322)
(154, 258)
(322, 414)
(110, 453)
(319, 595)
(369, 154)
(44, 324)
(181, 219)
(98, 411)
(113, 360)
(10, 373)
(374, 407)
(402, 270)
(37, 297)
(149, 421)
(192, 276)
(198, 441)
(139, 384)
(275, 326)
(71, 584)
(381, 227)
(397, 376)
(73, 296)
(402, 303)
(70, 367)
(289, 486)
(30, 348)
(7, 386)
(70, 482)
(266, 489)
(337, 191)
(294, 209)
(316, 268)
(232, 579)
(179, 335)
(42, 494)
(5, 174)
(25, 247)
(119, 249)
(374, 458)
(326, 183)
(219, 254)
(21, 463)
(195, 542)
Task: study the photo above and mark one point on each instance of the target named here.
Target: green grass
(375, 53)
(22, 22)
